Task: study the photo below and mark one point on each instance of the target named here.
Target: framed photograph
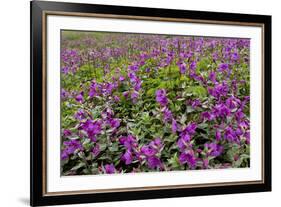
(139, 103)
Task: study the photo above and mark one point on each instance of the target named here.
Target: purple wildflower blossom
(116, 98)
(80, 115)
(129, 141)
(64, 94)
(235, 56)
(66, 133)
(153, 162)
(174, 126)
(221, 110)
(79, 98)
(192, 65)
(148, 150)
(127, 157)
(133, 77)
(223, 67)
(133, 67)
(161, 97)
(230, 134)
(134, 96)
(195, 103)
(70, 147)
(114, 123)
(190, 128)
(218, 135)
(213, 149)
(92, 128)
(182, 67)
(94, 89)
(167, 115)
(109, 169)
(121, 78)
(212, 76)
(96, 150)
(208, 115)
(189, 158)
(220, 89)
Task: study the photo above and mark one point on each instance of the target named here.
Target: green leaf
(197, 91)
(78, 166)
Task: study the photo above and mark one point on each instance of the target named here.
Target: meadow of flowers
(140, 103)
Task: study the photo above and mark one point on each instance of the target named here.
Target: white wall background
(14, 102)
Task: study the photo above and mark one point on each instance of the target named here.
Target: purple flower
(134, 96)
(190, 128)
(64, 155)
(96, 150)
(182, 67)
(215, 56)
(108, 88)
(109, 169)
(126, 94)
(64, 94)
(80, 115)
(153, 162)
(185, 136)
(235, 56)
(161, 97)
(174, 126)
(156, 143)
(66, 133)
(195, 103)
(114, 123)
(192, 65)
(218, 135)
(79, 98)
(212, 76)
(219, 90)
(92, 128)
(148, 150)
(221, 110)
(70, 147)
(107, 113)
(230, 134)
(189, 158)
(183, 142)
(65, 70)
(223, 67)
(137, 84)
(94, 88)
(133, 77)
(167, 115)
(239, 115)
(213, 149)
(129, 142)
(232, 102)
(127, 157)
(207, 115)
(134, 67)
(116, 99)
(121, 78)
(247, 136)
(205, 163)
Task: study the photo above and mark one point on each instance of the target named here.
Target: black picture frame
(38, 105)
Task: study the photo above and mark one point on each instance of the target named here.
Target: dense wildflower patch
(139, 103)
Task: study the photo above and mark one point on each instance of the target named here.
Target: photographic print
(149, 103)
(139, 103)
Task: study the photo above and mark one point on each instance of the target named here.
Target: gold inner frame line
(113, 16)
